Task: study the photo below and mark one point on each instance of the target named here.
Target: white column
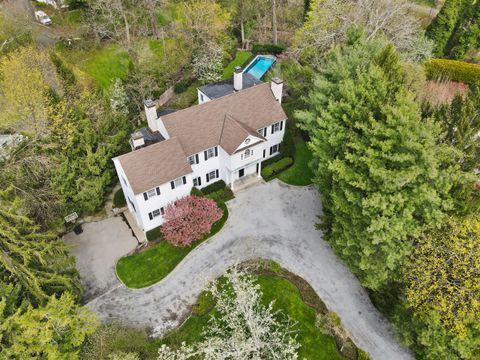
(259, 169)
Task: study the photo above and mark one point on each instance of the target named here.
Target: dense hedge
(217, 185)
(182, 86)
(268, 48)
(271, 170)
(154, 234)
(453, 70)
(119, 199)
(222, 195)
(287, 147)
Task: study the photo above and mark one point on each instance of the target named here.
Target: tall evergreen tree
(376, 162)
(441, 28)
(37, 261)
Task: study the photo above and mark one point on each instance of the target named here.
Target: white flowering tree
(243, 329)
(118, 98)
(207, 63)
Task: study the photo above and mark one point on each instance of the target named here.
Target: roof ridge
(217, 99)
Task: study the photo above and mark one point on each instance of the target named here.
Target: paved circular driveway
(273, 221)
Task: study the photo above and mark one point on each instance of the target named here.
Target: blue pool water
(260, 66)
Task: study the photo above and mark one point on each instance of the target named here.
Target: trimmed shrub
(453, 70)
(154, 234)
(119, 199)
(182, 86)
(272, 170)
(287, 148)
(272, 160)
(217, 185)
(268, 48)
(196, 192)
(222, 195)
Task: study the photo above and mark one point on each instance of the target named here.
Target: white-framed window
(151, 193)
(274, 149)
(209, 153)
(193, 159)
(156, 213)
(246, 154)
(197, 181)
(212, 175)
(277, 127)
(178, 182)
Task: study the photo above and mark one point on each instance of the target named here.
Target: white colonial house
(225, 137)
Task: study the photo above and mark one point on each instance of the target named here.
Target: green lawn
(314, 344)
(240, 59)
(152, 265)
(299, 173)
(103, 64)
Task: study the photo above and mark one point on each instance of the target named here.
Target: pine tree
(36, 261)
(376, 162)
(441, 28)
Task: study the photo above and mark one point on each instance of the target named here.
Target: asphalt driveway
(273, 221)
(96, 251)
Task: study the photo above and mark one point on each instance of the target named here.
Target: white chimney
(238, 78)
(137, 140)
(151, 112)
(277, 88)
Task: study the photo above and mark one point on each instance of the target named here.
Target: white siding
(227, 165)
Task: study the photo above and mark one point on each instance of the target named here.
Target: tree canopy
(376, 161)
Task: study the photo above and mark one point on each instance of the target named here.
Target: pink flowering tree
(188, 219)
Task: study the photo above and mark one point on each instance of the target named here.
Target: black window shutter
(150, 216)
(264, 152)
(145, 196)
(172, 184)
(207, 178)
(281, 125)
(205, 153)
(272, 129)
(216, 151)
(196, 159)
(271, 150)
(199, 181)
(216, 173)
(162, 211)
(184, 179)
(158, 190)
(265, 132)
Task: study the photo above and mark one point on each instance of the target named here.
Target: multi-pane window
(277, 127)
(151, 193)
(155, 213)
(212, 175)
(193, 159)
(178, 182)
(212, 152)
(247, 153)
(274, 149)
(197, 181)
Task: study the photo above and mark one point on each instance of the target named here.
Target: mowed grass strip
(314, 344)
(240, 59)
(153, 264)
(299, 173)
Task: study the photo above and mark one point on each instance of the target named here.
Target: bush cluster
(268, 48)
(453, 70)
(270, 171)
(222, 195)
(119, 199)
(217, 185)
(154, 234)
(287, 148)
(182, 85)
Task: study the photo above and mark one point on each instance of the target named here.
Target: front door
(241, 173)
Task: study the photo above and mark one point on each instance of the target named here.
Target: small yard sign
(71, 217)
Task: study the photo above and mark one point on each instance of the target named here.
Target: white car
(42, 18)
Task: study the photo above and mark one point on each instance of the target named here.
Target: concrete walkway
(272, 221)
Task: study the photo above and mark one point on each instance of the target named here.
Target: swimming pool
(259, 66)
